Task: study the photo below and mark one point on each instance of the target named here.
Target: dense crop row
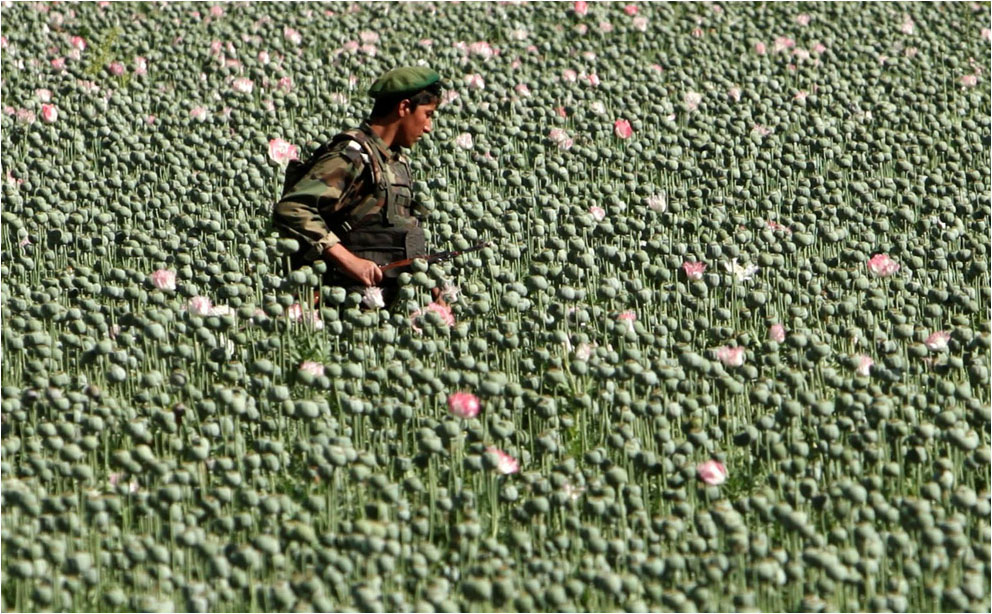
(728, 350)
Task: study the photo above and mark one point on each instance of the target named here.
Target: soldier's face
(414, 124)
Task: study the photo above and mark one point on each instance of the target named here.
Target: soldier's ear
(403, 108)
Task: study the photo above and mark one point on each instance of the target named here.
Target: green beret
(402, 80)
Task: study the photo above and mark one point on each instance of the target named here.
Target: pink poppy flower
(580, 7)
(640, 24)
(522, 89)
(605, 27)
(221, 310)
(3, 42)
(560, 138)
(593, 79)
(450, 95)
(597, 213)
(987, 34)
(772, 224)
(314, 368)
(372, 298)
(25, 116)
(164, 279)
(938, 340)
(140, 65)
(264, 58)
(243, 85)
(657, 202)
(803, 19)
(443, 311)
(58, 63)
(760, 48)
(630, 9)
(49, 113)
(694, 270)
(731, 356)
(569, 75)
(622, 129)
(217, 10)
(285, 84)
(561, 112)
(735, 94)
(864, 365)
(26, 240)
(199, 305)
(482, 49)
(712, 472)
(292, 35)
(369, 36)
(505, 463)
(464, 140)
(475, 81)
(783, 43)
(78, 42)
(692, 100)
(882, 265)
(819, 48)
(760, 130)
(581, 29)
(628, 317)
(801, 96)
(697, 33)
(776, 332)
(969, 80)
(463, 405)
(281, 152)
(198, 113)
(117, 68)
(907, 26)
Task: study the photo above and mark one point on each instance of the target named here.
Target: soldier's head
(407, 96)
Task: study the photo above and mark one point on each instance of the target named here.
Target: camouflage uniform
(359, 193)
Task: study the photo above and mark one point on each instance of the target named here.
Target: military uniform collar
(387, 153)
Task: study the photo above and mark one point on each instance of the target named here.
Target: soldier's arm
(332, 185)
(319, 194)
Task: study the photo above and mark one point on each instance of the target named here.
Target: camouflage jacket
(345, 187)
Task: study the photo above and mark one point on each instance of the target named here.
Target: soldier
(351, 204)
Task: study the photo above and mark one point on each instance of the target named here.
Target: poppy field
(727, 349)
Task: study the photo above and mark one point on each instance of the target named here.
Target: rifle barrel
(438, 257)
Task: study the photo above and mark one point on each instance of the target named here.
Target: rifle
(431, 258)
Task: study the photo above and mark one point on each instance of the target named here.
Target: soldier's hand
(364, 271)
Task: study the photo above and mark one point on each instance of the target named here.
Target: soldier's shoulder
(346, 151)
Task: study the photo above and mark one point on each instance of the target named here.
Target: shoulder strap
(381, 184)
(363, 140)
